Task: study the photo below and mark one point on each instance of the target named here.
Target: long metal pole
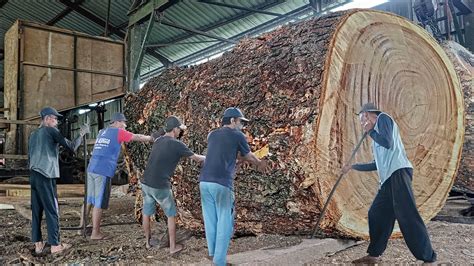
(84, 210)
(323, 212)
(106, 31)
(136, 68)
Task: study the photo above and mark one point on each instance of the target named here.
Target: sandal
(102, 237)
(175, 253)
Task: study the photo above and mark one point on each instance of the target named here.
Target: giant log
(301, 86)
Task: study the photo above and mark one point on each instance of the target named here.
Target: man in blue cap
(395, 199)
(225, 144)
(102, 167)
(43, 152)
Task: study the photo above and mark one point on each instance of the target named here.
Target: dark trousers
(395, 201)
(44, 198)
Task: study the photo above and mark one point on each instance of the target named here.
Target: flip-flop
(41, 249)
(65, 247)
(177, 252)
(153, 243)
(104, 237)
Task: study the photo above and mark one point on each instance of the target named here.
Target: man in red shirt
(102, 168)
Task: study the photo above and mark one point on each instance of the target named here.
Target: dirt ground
(453, 242)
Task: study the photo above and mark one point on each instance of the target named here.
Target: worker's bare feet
(178, 248)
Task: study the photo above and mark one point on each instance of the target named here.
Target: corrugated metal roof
(222, 21)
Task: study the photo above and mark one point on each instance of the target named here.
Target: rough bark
(463, 61)
(300, 85)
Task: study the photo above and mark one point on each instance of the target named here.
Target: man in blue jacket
(216, 185)
(102, 166)
(395, 199)
(43, 152)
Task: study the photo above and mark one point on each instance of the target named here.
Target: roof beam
(165, 61)
(254, 10)
(316, 5)
(106, 30)
(3, 2)
(97, 20)
(195, 31)
(263, 27)
(177, 43)
(220, 23)
(123, 25)
(64, 13)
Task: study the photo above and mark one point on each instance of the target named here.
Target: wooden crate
(49, 66)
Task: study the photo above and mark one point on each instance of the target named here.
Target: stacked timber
(301, 86)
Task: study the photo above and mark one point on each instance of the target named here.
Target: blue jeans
(218, 211)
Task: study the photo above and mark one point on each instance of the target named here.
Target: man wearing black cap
(156, 186)
(225, 144)
(43, 154)
(102, 167)
(395, 199)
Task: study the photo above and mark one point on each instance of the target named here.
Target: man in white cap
(395, 199)
(216, 181)
(156, 187)
(43, 155)
(102, 167)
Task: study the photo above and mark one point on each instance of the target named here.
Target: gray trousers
(44, 198)
(395, 201)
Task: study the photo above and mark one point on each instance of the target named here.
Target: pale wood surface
(382, 58)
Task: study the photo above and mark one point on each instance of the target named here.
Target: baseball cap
(233, 112)
(368, 107)
(172, 122)
(49, 111)
(118, 117)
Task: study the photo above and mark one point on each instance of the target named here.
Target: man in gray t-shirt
(156, 186)
(43, 154)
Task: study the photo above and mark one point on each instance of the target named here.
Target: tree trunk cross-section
(301, 86)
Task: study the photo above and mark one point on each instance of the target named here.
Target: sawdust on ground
(453, 242)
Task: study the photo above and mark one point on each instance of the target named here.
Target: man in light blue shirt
(395, 199)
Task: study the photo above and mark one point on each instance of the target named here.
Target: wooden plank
(38, 26)
(11, 84)
(14, 156)
(19, 122)
(67, 190)
(84, 61)
(48, 48)
(73, 69)
(103, 59)
(47, 87)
